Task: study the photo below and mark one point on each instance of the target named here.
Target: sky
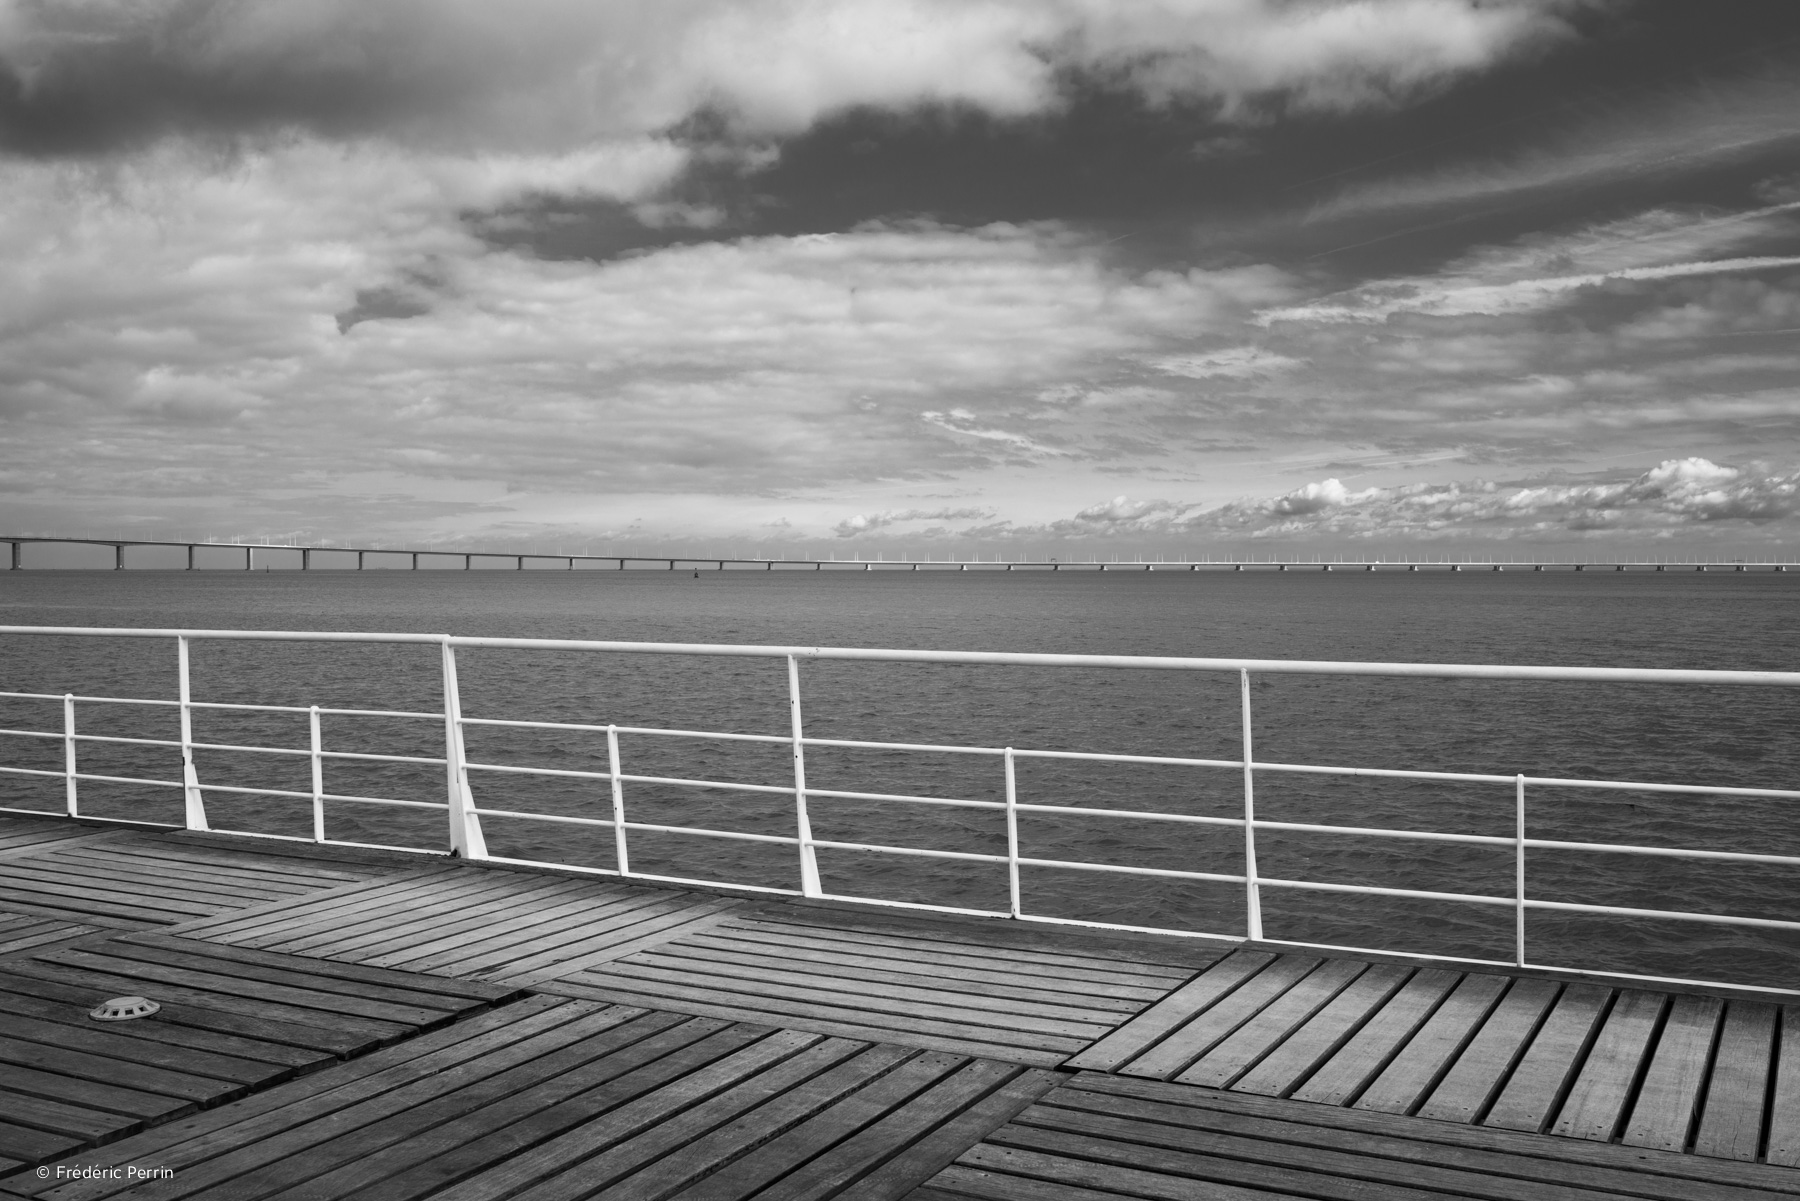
(904, 277)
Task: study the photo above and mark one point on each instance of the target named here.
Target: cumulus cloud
(1676, 494)
(324, 302)
(567, 72)
(868, 523)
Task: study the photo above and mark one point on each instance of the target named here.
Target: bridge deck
(341, 1023)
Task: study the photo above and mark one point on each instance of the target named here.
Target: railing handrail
(464, 814)
(1473, 671)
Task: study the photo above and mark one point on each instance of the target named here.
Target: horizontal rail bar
(1374, 891)
(1766, 923)
(1473, 671)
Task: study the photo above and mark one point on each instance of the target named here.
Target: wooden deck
(346, 1023)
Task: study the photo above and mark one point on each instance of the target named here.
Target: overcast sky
(900, 275)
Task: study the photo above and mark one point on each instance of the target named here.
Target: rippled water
(1640, 732)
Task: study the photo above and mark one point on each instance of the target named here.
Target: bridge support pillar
(415, 559)
(468, 561)
(249, 558)
(15, 556)
(518, 562)
(359, 565)
(119, 556)
(306, 558)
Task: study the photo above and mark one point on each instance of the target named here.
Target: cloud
(1676, 494)
(325, 305)
(868, 523)
(563, 73)
(1237, 362)
(1656, 245)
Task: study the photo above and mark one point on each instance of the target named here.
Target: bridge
(338, 558)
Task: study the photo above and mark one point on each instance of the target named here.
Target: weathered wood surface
(551, 1097)
(1106, 1137)
(650, 1042)
(231, 1021)
(132, 879)
(922, 986)
(449, 919)
(1672, 1072)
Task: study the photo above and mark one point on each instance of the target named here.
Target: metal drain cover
(123, 1009)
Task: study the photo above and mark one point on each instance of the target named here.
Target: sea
(1732, 736)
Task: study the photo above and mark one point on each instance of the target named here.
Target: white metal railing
(464, 815)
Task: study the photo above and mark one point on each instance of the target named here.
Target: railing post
(618, 799)
(1252, 894)
(1012, 835)
(69, 783)
(318, 776)
(194, 805)
(1519, 872)
(465, 824)
(809, 863)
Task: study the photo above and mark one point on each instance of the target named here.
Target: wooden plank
(1784, 1105)
(223, 927)
(498, 942)
(115, 1098)
(157, 1028)
(300, 1145)
(1540, 1082)
(1046, 949)
(725, 940)
(1668, 1100)
(1219, 1156)
(24, 844)
(326, 907)
(1475, 1078)
(1163, 1174)
(465, 902)
(934, 1036)
(339, 1006)
(181, 880)
(1731, 1126)
(825, 1127)
(1411, 1075)
(428, 1123)
(76, 1121)
(378, 915)
(275, 1022)
(643, 1130)
(329, 969)
(1063, 1015)
(605, 950)
(127, 1047)
(563, 949)
(103, 1070)
(1323, 1035)
(445, 1152)
(193, 1141)
(909, 1145)
(1255, 1038)
(1605, 1167)
(298, 974)
(1597, 1101)
(45, 934)
(30, 1145)
(554, 898)
(278, 1042)
(961, 953)
(248, 867)
(1174, 958)
(1124, 1045)
(756, 1112)
(57, 894)
(562, 923)
(996, 986)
